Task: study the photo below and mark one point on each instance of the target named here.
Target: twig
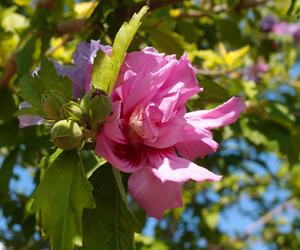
(267, 217)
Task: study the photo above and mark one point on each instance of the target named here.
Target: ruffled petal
(181, 85)
(113, 126)
(196, 142)
(141, 76)
(196, 148)
(153, 195)
(220, 116)
(180, 170)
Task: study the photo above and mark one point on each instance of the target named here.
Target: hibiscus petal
(153, 195)
(180, 170)
(196, 142)
(112, 127)
(196, 148)
(179, 87)
(148, 71)
(220, 116)
(170, 133)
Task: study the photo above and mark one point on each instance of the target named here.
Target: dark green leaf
(61, 197)
(7, 104)
(212, 92)
(9, 134)
(6, 172)
(24, 57)
(291, 8)
(110, 225)
(164, 38)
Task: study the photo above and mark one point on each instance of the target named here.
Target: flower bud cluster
(76, 122)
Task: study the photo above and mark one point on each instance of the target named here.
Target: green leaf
(12, 21)
(9, 134)
(31, 91)
(7, 101)
(106, 68)
(61, 197)
(6, 172)
(24, 57)
(111, 225)
(212, 92)
(25, 111)
(291, 8)
(164, 38)
(103, 71)
(52, 82)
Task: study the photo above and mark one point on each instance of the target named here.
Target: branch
(221, 8)
(71, 26)
(155, 4)
(10, 69)
(47, 4)
(248, 4)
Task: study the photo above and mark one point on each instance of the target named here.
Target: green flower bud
(71, 110)
(51, 105)
(66, 134)
(96, 106)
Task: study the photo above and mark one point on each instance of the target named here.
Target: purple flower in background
(254, 72)
(81, 72)
(288, 29)
(268, 23)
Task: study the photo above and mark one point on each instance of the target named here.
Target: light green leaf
(111, 224)
(60, 198)
(106, 68)
(103, 70)
(12, 21)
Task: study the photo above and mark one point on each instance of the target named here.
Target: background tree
(239, 47)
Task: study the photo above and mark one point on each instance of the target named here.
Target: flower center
(141, 127)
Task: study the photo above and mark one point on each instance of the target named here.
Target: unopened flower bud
(71, 110)
(66, 134)
(51, 105)
(96, 106)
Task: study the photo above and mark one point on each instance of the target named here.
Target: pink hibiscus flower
(150, 134)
